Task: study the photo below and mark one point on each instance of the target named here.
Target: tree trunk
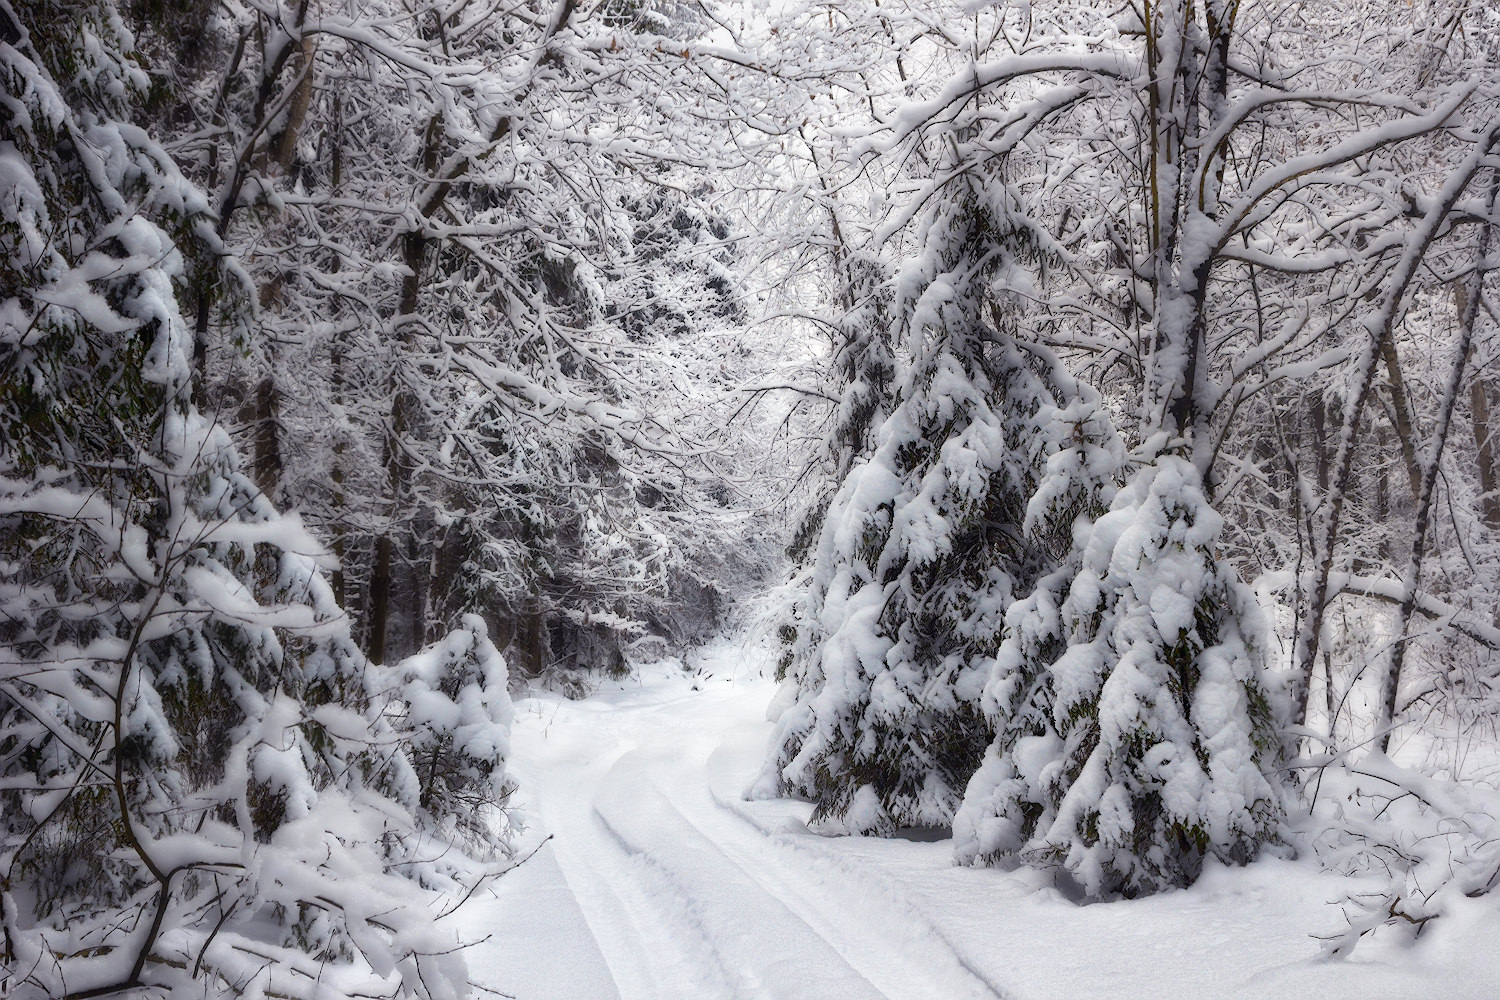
(1406, 430)
(336, 362)
(413, 254)
(1484, 444)
(1412, 580)
(380, 596)
(266, 436)
(336, 476)
(296, 114)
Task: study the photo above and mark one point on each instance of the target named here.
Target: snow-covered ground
(660, 882)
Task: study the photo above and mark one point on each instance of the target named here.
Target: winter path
(661, 883)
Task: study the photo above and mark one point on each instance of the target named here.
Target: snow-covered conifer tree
(921, 548)
(1134, 717)
(204, 788)
(458, 716)
(865, 368)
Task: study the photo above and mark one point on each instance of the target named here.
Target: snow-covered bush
(203, 791)
(1135, 721)
(1421, 847)
(457, 720)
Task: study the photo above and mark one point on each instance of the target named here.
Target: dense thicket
(207, 786)
(497, 313)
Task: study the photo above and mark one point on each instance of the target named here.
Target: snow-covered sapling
(1136, 720)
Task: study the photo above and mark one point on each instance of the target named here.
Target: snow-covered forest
(569, 499)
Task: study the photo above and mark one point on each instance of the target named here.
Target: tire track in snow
(650, 953)
(689, 895)
(764, 948)
(829, 865)
(797, 865)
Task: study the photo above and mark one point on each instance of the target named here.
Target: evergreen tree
(203, 785)
(922, 548)
(865, 369)
(458, 716)
(1134, 717)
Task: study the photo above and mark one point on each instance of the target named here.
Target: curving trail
(661, 883)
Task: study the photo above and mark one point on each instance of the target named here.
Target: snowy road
(661, 883)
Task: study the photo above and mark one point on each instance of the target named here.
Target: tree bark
(413, 255)
(1484, 442)
(1406, 430)
(296, 114)
(266, 435)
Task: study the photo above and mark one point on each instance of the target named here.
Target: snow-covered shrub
(203, 793)
(918, 555)
(1421, 847)
(457, 721)
(1135, 721)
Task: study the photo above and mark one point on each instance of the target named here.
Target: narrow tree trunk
(413, 255)
(380, 596)
(436, 582)
(1484, 442)
(296, 113)
(1412, 579)
(1330, 701)
(1320, 441)
(266, 436)
(421, 591)
(1380, 325)
(1190, 73)
(336, 361)
(1406, 429)
(1383, 494)
(531, 636)
(336, 475)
